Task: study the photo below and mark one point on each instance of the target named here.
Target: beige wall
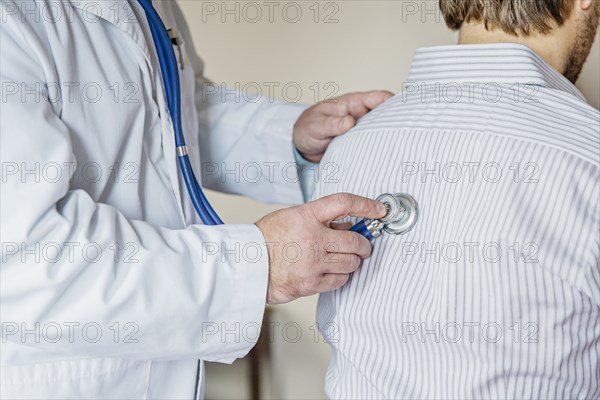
(346, 46)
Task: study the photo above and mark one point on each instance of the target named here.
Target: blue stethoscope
(170, 73)
(402, 208)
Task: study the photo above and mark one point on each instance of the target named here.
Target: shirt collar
(502, 63)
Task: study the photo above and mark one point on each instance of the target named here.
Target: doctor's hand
(308, 252)
(318, 125)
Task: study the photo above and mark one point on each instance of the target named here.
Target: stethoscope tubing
(361, 227)
(170, 75)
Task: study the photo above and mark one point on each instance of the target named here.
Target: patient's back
(496, 290)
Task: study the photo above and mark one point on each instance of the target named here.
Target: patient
(495, 293)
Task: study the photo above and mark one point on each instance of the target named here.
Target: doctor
(110, 286)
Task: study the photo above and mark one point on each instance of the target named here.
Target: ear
(584, 4)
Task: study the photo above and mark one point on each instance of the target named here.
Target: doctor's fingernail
(347, 122)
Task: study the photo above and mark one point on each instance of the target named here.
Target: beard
(583, 44)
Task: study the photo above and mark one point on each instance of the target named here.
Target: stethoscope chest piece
(402, 214)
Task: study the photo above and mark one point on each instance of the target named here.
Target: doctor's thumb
(340, 205)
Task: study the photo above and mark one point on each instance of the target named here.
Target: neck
(549, 47)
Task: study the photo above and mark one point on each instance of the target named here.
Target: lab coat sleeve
(240, 134)
(246, 148)
(158, 294)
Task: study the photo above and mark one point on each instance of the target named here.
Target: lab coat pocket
(104, 378)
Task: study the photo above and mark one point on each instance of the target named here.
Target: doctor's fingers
(340, 263)
(347, 242)
(328, 126)
(334, 117)
(340, 226)
(340, 205)
(359, 103)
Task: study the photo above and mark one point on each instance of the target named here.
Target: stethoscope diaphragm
(402, 215)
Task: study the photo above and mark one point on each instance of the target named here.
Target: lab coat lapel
(132, 21)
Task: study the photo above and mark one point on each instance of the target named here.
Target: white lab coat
(109, 286)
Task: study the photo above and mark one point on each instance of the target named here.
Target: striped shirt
(495, 293)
